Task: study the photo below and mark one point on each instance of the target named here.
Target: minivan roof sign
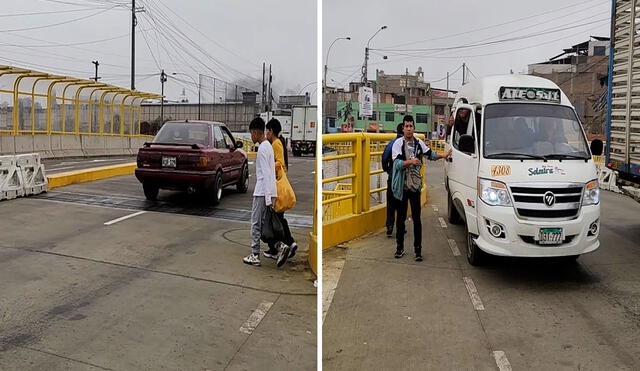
(507, 93)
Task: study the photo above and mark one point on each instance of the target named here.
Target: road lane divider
(256, 317)
(454, 247)
(473, 293)
(501, 361)
(114, 221)
(33, 174)
(11, 182)
(443, 224)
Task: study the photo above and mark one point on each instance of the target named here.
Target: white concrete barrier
(42, 145)
(61, 145)
(94, 145)
(11, 181)
(33, 174)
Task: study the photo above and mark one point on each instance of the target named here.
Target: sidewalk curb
(89, 175)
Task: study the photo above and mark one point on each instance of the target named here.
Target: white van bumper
(520, 235)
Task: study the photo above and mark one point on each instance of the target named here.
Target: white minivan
(521, 176)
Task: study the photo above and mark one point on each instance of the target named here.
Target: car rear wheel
(214, 193)
(150, 191)
(243, 183)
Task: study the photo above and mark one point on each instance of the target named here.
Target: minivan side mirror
(467, 144)
(238, 144)
(596, 147)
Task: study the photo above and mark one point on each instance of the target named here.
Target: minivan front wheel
(475, 256)
(452, 212)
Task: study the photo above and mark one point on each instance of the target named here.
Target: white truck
(285, 121)
(304, 130)
(521, 176)
(623, 125)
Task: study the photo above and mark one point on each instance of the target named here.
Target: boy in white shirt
(264, 193)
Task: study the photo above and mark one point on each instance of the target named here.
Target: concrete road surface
(160, 290)
(521, 314)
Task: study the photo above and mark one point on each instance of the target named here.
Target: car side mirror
(467, 144)
(596, 147)
(238, 144)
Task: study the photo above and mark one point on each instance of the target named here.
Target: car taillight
(204, 161)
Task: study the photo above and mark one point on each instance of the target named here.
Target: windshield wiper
(566, 155)
(512, 154)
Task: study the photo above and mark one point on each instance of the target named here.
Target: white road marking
(443, 224)
(114, 221)
(251, 162)
(454, 247)
(473, 293)
(256, 317)
(435, 208)
(502, 361)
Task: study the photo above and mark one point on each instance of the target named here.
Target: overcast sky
(235, 38)
(428, 25)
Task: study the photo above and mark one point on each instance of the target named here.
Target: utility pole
(447, 108)
(213, 108)
(199, 94)
(225, 103)
(407, 93)
(365, 66)
(269, 93)
(133, 45)
(96, 78)
(235, 108)
(464, 75)
(163, 79)
(263, 89)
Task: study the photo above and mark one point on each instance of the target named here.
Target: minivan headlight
(493, 193)
(591, 193)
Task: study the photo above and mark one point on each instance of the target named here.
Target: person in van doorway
(264, 193)
(387, 166)
(277, 142)
(408, 153)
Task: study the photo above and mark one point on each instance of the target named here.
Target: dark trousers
(413, 199)
(288, 238)
(391, 206)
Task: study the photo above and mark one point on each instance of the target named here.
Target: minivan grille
(529, 200)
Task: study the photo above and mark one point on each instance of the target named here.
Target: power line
(41, 13)
(495, 41)
(60, 23)
(580, 4)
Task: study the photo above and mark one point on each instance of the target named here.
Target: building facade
(581, 72)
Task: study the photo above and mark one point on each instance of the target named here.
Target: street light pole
(326, 61)
(366, 57)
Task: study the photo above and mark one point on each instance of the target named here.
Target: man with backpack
(387, 166)
(408, 153)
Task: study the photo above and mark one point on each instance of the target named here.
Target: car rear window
(183, 133)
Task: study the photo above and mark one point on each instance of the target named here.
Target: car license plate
(168, 161)
(551, 236)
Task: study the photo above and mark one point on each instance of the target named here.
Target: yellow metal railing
(34, 105)
(354, 191)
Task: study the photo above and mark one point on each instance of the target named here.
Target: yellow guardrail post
(366, 173)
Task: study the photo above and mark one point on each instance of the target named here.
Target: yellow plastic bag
(286, 197)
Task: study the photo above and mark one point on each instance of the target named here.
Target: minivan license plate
(168, 161)
(551, 236)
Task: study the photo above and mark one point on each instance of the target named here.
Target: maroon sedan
(195, 156)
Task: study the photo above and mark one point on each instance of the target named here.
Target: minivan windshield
(183, 133)
(536, 131)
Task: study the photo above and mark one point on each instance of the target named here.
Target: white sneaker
(294, 247)
(253, 259)
(283, 254)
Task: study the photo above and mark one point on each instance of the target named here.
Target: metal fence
(33, 102)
